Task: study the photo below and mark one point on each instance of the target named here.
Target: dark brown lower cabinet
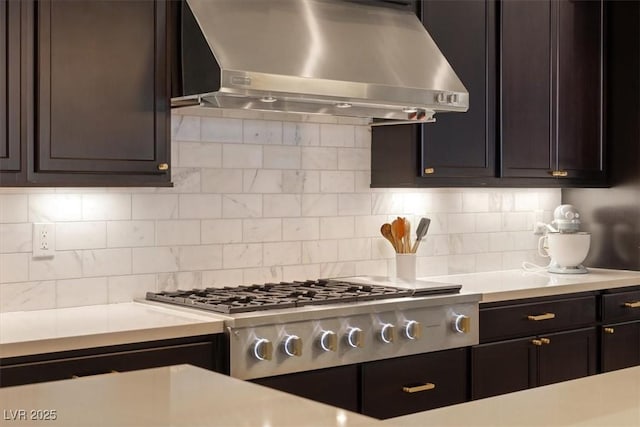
(567, 356)
(384, 388)
(335, 386)
(620, 346)
(502, 367)
(507, 366)
(411, 384)
(197, 351)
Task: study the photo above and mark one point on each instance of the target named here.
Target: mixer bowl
(568, 249)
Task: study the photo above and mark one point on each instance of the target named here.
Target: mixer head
(566, 219)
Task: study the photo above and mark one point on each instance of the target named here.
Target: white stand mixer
(564, 243)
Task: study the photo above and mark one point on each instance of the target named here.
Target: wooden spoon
(407, 236)
(397, 231)
(385, 230)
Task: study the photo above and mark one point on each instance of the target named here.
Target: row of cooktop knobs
(328, 340)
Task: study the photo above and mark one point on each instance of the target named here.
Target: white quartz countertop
(516, 284)
(44, 331)
(187, 396)
(174, 396)
(605, 400)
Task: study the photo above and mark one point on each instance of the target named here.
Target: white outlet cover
(44, 240)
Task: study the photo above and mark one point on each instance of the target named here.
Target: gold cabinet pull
(608, 330)
(538, 317)
(559, 174)
(632, 304)
(536, 342)
(545, 340)
(429, 171)
(163, 167)
(418, 388)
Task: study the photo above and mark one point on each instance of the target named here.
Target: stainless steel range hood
(336, 57)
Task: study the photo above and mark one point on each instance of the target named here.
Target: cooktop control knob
(387, 333)
(461, 323)
(355, 337)
(263, 349)
(413, 330)
(292, 345)
(329, 341)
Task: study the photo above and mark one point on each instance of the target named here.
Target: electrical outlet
(44, 240)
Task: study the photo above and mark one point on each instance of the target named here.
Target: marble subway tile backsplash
(255, 199)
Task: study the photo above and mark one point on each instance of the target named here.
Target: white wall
(255, 200)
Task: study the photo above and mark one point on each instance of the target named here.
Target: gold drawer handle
(418, 388)
(429, 171)
(633, 304)
(609, 330)
(545, 316)
(536, 342)
(163, 167)
(559, 174)
(545, 340)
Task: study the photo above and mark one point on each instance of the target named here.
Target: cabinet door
(620, 346)
(463, 144)
(567, 355)
(10, 67)
(526, 75)
(335, 386)
(404, 385)
(102, 91)
(503, 367)
(580, 94)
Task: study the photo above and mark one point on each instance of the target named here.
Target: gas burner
(240, 299)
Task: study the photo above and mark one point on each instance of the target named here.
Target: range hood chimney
(335, 57)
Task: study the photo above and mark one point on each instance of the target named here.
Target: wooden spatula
(397, 231)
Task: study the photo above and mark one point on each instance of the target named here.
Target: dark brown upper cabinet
(552, 90)
(465, 32)
(458, 145)
(10, 107)
(536, 119)
(95, 90)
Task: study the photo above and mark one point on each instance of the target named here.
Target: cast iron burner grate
(240, 299)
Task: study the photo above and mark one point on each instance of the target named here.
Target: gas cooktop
(240, 299)
(280, 328)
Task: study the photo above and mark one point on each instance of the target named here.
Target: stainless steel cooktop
(280, 328)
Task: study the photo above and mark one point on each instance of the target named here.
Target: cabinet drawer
(537, 317)
(620, 307)
(404, 385)
(198, 354)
